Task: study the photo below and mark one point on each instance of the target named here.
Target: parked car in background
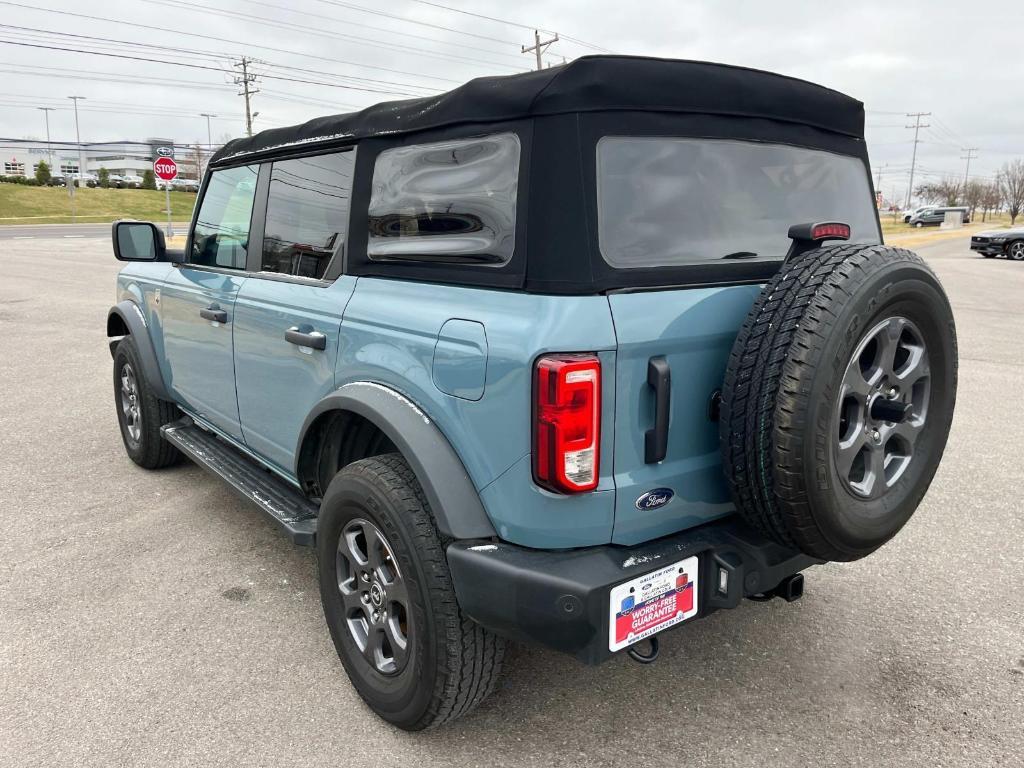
(185, 185)
(131, 181)
(933, 216)
(115, 180)
(910, 212)
(57, 181)
(1000, 242)
(571, 357)
(85, 179)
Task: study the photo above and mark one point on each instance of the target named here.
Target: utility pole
(81, 161)
(913, 163)
(49, 150)
(539, 47)
(209, 141)
(246, 79)
(972, 153)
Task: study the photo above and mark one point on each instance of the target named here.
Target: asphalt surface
(153, 618)
(63, 231)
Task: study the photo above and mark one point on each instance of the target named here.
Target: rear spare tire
(838, 398)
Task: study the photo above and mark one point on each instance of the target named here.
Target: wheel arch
(454, 500)
(126, 319)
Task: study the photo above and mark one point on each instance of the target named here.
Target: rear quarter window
(666, 201)
(449, 201)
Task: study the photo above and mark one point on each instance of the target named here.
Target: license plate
(650, 603)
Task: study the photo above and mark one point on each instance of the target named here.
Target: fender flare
(450, 492)
(131, 317)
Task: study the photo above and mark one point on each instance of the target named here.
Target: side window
(453, 201)
(307, 213)
(221, 236)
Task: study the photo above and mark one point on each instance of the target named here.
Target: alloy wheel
(883, 406)
(375, 597)
(1017, 251)
(130, 406)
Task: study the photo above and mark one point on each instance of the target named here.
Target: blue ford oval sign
(655, 499)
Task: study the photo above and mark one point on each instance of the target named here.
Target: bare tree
(991, 199)
(1011, 187)
(946, 191)
(973, 192)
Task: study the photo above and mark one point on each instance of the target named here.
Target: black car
(1000, 242)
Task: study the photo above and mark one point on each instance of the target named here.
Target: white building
(122, 158)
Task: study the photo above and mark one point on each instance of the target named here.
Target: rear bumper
(559, 599)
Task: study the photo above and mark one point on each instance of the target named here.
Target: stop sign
(165, 168)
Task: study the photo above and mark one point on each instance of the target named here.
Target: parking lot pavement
(152, 618)
(63, 231)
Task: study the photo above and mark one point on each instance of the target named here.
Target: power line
(212, 55)
(375, 12)
(335, 36)
(510, 23)
(200, 66)
(348, 23)
(185, 33)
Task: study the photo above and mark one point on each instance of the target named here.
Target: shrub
(43, 175)
(104, 177)
(148, 179)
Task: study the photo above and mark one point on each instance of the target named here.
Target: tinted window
(221, 235)
(449, 201)
(307, 213)
(670, 201)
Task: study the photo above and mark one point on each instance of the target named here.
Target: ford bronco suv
(568, 357)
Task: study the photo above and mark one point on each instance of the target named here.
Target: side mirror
(138, 241)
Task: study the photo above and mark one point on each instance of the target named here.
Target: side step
(283, 502)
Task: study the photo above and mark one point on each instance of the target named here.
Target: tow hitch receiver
(789, 589)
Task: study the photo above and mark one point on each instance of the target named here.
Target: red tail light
(567, 426)
(831, 230)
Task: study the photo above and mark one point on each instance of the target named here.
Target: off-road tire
(780, 400)
(454, 662)
(150, 450)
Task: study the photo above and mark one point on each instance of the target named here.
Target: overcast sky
(960, 61)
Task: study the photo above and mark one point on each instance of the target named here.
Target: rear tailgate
(693, 329)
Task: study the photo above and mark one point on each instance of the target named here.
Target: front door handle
(305, 338)
(214, 313)
(659, 378)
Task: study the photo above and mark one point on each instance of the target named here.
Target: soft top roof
(587, 84)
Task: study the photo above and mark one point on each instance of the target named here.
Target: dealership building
(123, 158)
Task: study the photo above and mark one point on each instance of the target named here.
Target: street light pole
(49, 149)
(209, 139)
(78, 140)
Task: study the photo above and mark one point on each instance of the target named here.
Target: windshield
(672, 201)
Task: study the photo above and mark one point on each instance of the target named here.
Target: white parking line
(73, 235)
(23, 237)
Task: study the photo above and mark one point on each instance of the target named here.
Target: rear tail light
(567, 423)
(832, 230)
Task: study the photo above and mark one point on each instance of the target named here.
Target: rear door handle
(214, 313)
(659, 378)
(303, 338)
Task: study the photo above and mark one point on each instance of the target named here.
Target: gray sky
(959, 61)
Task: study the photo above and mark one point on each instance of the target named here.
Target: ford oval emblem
(655, 499)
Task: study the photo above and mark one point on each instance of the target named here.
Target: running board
(281, 501)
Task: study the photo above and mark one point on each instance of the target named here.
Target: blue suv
(569, 357)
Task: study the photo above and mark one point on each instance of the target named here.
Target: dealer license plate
(650, 603)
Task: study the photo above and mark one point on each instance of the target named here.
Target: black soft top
(588, 84)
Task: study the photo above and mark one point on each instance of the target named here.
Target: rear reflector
(567, 422)
(830, 231)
